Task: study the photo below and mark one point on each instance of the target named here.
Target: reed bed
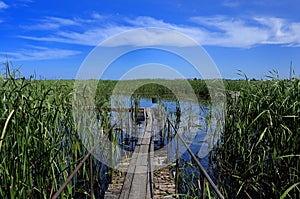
(39, 143)
(259, 153)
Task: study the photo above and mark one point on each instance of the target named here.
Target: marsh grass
(39, 144)
(259, 156)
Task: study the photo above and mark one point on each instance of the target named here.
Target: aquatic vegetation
(39, 143)
(259, 156)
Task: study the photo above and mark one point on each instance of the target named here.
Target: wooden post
(122, 137)
(161, 138)
(164, 133)
(111, 151)
(177, 167)
(169, 141)
(91, 176)
(169, 130)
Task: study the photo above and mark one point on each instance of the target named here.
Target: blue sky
(52, 38)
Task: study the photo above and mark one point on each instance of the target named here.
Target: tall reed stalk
(39, 143)
(259, 156)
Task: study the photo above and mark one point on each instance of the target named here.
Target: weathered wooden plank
(134, 156)
(130, 174)
(145, 140)
(110, 196)
(150, 172)
(144, 149)
(127, 186)
(139, 183)
(142, 159)
(138, 180)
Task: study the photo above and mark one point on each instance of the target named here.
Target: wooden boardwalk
(148, 172)
(140, 182)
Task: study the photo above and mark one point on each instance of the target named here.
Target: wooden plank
(110, 196)
(148, 128)
(139, 183)
(138, 180)
(126, 186)
(145, 140)
(144, 149)
(150, 172)
(130, 174)
(134, 157)
(142, 159)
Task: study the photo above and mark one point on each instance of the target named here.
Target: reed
(39, 143)
(259, 155)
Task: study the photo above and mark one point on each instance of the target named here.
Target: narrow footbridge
(140, 181)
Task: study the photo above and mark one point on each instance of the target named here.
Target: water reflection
(192, 121)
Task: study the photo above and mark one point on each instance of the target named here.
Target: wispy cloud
(224, 31)
(231, 3)
(90, 37)
(281, 31)
(150, 37)
(215, 31)
(26, 1)
(38, 53)
(22, 3)
(3, 5)
(52, 23)
(248, 32)
(96, 15)
(99, 32)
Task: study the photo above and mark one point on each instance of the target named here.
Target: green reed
(39, 142)
(259, 155)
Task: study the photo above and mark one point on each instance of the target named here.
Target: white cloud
(3, 5)
(149, 37)
(22, 3)
(96, 15)
(144, 21)
(49, 23)
(100, 32)
(38, 53)
(62, 21)
(91, 37)
(231, 3)
(281, 31)
(215, 31)
(229, 32)
(249, 32)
